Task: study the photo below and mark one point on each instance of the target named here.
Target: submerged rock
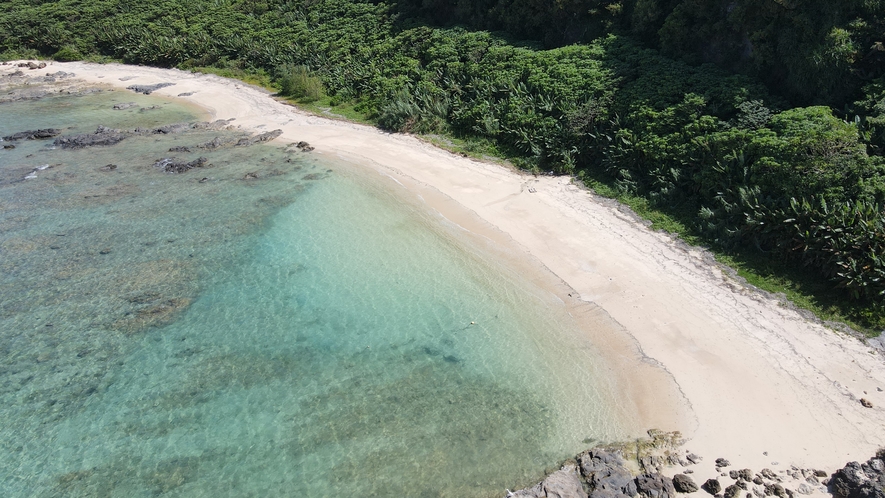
(101, 136)
(33, 134)
(172, 165)
(124, 105)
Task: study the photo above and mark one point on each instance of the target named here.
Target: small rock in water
(108, 167)
(124, 105)
(9, 146)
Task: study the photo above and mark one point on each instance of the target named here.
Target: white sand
(758, 376)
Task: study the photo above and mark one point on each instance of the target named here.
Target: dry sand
(757, 381)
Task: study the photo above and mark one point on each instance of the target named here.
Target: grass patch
(331, 107)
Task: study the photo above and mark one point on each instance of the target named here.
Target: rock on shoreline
(604, 472)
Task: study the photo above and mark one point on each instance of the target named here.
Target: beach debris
(124, 105)
(712, 486)
(866, 403)
(148, 89)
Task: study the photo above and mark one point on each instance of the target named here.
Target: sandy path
(759, 377)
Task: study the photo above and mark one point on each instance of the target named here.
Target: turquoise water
(289, 326)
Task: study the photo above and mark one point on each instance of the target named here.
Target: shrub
(297, 82)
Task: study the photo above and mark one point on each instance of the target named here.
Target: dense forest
(760, 124)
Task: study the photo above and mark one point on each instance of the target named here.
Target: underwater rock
(171, 165)
(102, 136)
(179, 148)
(33, 134)
(148, 89)
(108, 167)
(124, 105)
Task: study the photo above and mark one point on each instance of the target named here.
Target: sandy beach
(739, 373)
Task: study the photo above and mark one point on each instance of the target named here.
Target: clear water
(290, 326)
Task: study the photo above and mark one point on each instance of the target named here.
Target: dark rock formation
(148, 89)
(108, 167)
(179, 148)
(866, 403)
(745, 474)
(768, 474)
(655, 486)
(606, 474)
(712, 486)
(775, 490)
(102, 136)
(691, 457)
(124, 105)
(721, 462)
(563, 483)
(33, 134)
(304, 146)
(857, 480)
(684, 484)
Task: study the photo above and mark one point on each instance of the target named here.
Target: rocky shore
(660, 468)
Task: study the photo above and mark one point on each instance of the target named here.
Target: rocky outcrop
(148, 89)
(33, 134)
(260, 138)
(564, 483)
(860, 480)
(655, 486)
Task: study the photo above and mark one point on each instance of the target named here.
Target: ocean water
(273, 324)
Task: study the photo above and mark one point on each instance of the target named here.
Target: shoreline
(761, 383)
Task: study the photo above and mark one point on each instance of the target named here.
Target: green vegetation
(754, 127)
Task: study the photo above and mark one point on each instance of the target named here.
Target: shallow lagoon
(290, 326)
